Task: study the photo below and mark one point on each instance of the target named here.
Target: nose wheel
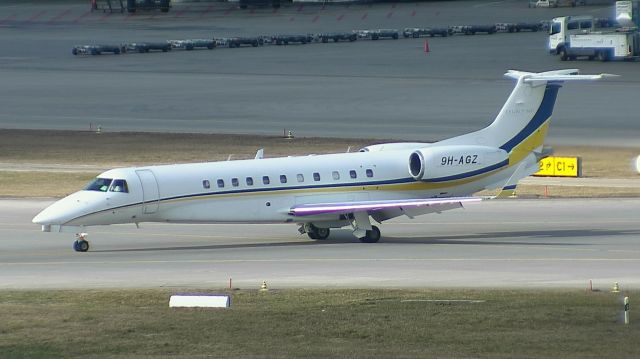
(81, 244)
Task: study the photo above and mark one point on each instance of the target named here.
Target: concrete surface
(493, 244)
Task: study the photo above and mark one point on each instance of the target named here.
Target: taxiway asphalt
(381, 89)
(493, 244)
(370, 89)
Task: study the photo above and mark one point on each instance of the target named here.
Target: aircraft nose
(49, 215)
(61, 211)
(40, 218)
(46, 216)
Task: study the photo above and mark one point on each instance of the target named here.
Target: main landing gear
(371, 236)
(316, 232)
(366, 236)
(81, 244)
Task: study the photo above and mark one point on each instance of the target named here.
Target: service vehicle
(108, 5)
(384, 34)
(143, 47)
(473, 29)
(338, 36)
(519, 26)
(243, 4)
(291, 39)
(96, 49)
(528, 26)
(573, 37)
(162, 5)
(199, 44)
(239, 41)
(416, 32)
(506, 27)
(362, 34)
(555, 3)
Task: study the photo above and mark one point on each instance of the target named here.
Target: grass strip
(42, 184)
(120, 149)
(365, 323)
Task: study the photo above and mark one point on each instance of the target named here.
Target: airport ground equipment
(292, 39)
(108, 5)
(473, 29)
(417, 32)
(239, 41)
(506, 27)
(528, 26)
(384, 34)
(572, 37)
(162, 5)
(143, 47)
(96, 49)
(362, 34)
(414, 32)
(338, 36)
(243, 4)
(192, 44)
(555, 3)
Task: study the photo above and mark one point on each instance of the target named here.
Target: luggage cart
(108, 5)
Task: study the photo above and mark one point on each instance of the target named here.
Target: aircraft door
(150, 191)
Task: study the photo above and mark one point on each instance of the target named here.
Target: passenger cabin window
(249, 181)
(316, 176)
(283, 179)
(220, 183)
(99, 184)
(300, 177)
(353, 174)
(235, 182)
(572, 25)
(335, 175)
(206, 184)
(369, 172)
(119, 185)
(265, 180)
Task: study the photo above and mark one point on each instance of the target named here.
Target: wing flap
(374, 206)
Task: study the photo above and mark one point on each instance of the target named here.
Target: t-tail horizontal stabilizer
(539, 78)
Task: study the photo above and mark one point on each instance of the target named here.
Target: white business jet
(321, 192)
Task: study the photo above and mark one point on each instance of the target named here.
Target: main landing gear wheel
(81, 244)
(372, 236)
(318, 233)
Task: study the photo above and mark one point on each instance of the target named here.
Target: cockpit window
(99, 184)
(119, 185)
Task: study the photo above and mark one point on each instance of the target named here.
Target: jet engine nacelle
(439, 163)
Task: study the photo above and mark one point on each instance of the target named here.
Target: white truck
(571, 37)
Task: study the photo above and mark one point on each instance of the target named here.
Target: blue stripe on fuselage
(544, 112)
(469, 174)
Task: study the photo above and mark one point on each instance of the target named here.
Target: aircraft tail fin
(521, 125)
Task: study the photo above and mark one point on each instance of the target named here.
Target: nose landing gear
(81, 244)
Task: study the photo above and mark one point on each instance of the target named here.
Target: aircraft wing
(302, 210)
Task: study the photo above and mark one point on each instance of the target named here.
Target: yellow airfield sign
(560, 167)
